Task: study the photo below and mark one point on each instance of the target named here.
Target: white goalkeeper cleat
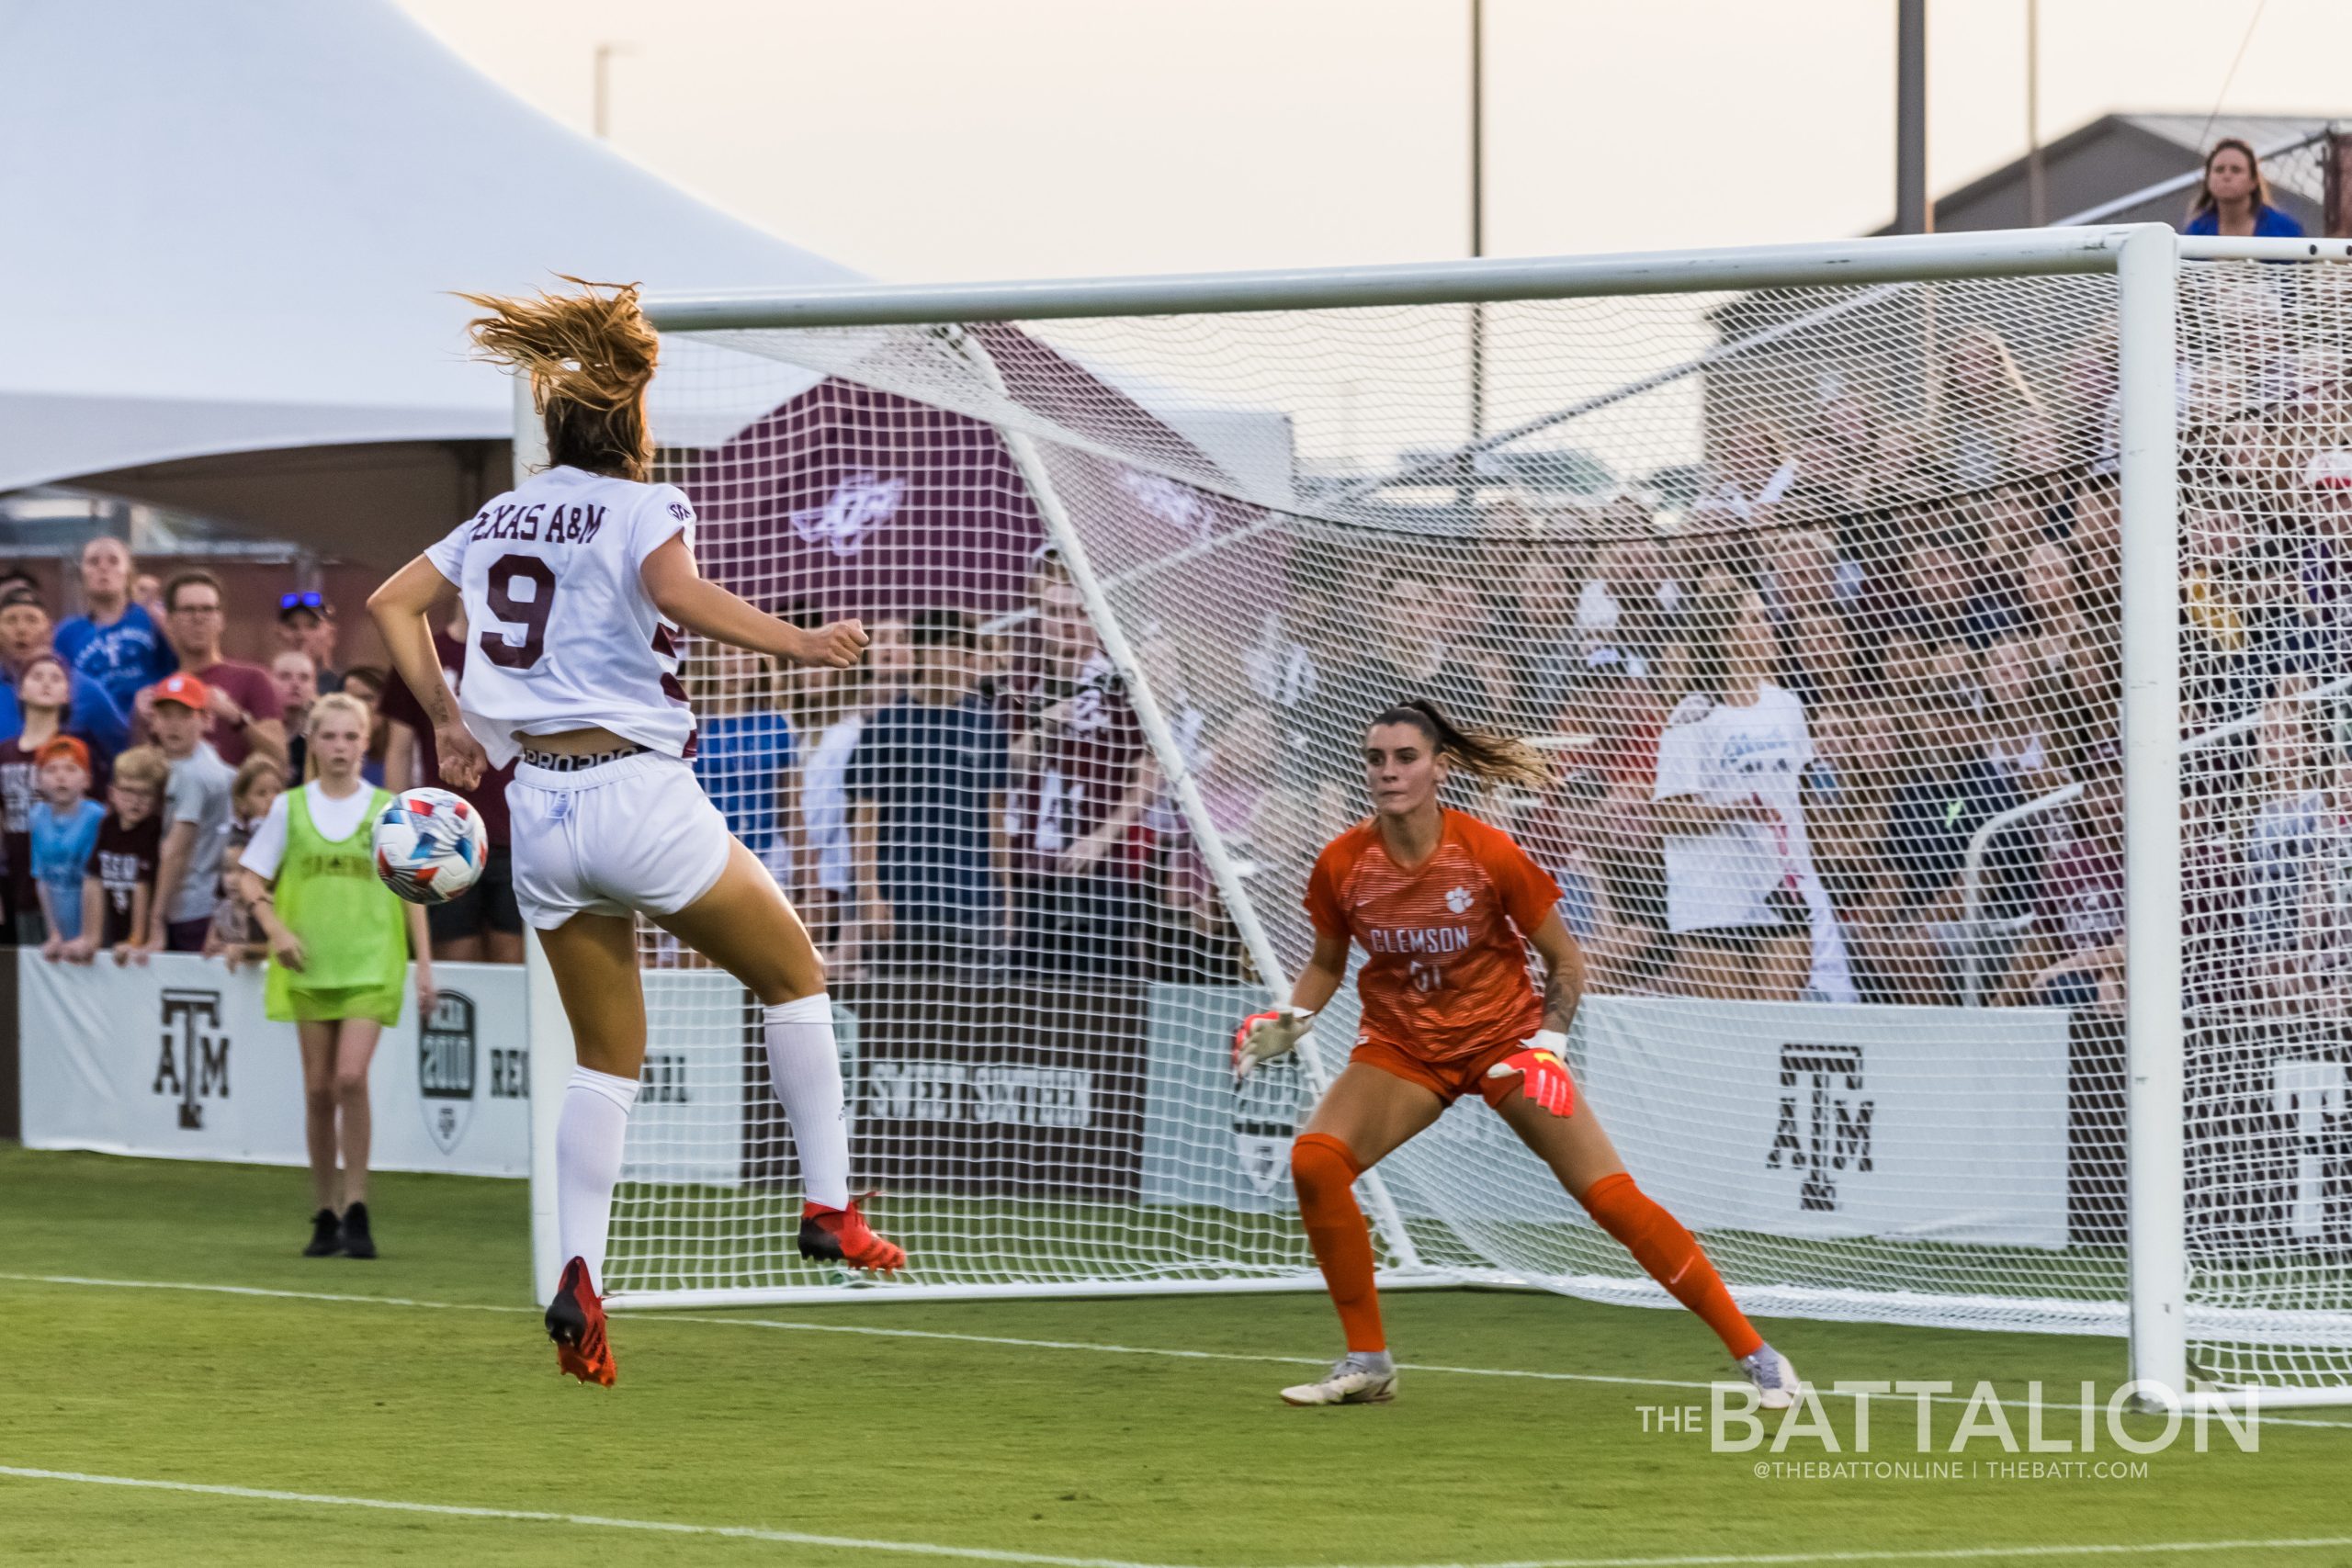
(1775, 1380)
(1356, 1378)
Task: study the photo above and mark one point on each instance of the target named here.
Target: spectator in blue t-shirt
(117, 643)
(928, 782)
(63, 833)
(2235, 199)
(743, 746)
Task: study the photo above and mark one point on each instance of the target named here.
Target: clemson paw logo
(1457, 899)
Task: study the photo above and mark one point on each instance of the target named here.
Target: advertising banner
(999, 1089)
(174, 1058)
(1796, 1120)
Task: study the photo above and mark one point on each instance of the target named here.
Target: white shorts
(636, 835)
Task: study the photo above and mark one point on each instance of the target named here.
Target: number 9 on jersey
(430, 846)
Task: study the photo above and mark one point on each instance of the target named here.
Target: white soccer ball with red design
(430, 846)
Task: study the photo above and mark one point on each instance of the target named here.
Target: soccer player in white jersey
(575, 585)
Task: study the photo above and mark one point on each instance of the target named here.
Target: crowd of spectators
(136, 757)
(1842, 725)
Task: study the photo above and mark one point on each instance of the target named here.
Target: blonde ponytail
(590, 356)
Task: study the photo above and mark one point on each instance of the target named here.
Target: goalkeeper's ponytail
(1489, 758)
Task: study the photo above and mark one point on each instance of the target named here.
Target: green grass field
(1127, 1431)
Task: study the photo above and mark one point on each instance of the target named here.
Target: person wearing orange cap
(196, 816)
(62, 834)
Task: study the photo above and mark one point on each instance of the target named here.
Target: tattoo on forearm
(1559, 999)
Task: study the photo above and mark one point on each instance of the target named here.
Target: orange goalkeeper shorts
(1447, 1080)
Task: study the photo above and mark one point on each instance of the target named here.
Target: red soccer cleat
(576, 1324)
(842, 1235)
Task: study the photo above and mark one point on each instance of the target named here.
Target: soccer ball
(430, 846)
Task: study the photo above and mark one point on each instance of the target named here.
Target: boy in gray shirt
(195, 817)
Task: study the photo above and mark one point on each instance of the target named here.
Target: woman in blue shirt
(2235, 199)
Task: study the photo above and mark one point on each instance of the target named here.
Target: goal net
(1812, 591)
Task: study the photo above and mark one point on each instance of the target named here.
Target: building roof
(2117, 154)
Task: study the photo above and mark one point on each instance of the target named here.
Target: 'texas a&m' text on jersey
(561, 632)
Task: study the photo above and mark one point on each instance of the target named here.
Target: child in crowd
(64, 833)
(119, 892)
(237, 937)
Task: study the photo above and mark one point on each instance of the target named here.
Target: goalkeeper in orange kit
(1443, 905)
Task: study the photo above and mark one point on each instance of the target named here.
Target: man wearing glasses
(240, 698)
(306, 624)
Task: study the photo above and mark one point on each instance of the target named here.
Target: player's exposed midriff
(572, 742)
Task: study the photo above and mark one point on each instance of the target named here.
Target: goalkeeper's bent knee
(1324, 1169)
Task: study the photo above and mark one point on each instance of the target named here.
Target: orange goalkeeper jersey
(1445, 967)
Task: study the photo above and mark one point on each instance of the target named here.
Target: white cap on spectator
(2329, 471)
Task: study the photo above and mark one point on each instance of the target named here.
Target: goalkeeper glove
(1266, 1035)
(1544, 1077)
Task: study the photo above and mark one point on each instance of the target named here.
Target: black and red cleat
(576, 1324)
(842, 1235)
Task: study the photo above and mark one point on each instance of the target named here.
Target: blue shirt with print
(62, 844)
(931, 772)
(125, 657)
(738, 758)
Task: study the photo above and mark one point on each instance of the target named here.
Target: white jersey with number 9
(561, 633)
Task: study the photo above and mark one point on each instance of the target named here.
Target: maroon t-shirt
(2082, 895)
(489, 797)
(19, 787)
(1080, 774)
(255, 692)
(124, 860)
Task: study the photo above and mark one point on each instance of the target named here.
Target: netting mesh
(1813, 596)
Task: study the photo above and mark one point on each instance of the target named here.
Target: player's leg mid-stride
(575, 683)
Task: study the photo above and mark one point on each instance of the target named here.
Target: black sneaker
(356, 1242)
(326, 1236)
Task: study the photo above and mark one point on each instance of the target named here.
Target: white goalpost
(1940, 641)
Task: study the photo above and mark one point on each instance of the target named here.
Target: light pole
(1469, 484)
(600, 113)
(2037, 194)
(1911, 213)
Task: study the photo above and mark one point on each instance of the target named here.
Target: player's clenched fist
(1266, 1035)
(839, 646)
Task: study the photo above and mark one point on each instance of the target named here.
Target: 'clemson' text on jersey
(1445, 972)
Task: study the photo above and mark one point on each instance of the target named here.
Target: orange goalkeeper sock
(1673, 1257)
(1325, 1170)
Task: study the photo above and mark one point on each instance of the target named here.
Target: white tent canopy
(234, 226)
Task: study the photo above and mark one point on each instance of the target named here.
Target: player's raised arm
(685, 596)
(400, 606)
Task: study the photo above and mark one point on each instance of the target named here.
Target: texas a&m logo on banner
(1824, 1128)
(192, 1064)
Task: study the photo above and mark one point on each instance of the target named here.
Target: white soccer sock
(805, 1067)
(588, 1134)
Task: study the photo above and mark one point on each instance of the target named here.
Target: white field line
(1083, 1346)
(1044, 1559)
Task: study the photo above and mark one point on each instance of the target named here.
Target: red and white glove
(1543, 1072)
(1266, 1035)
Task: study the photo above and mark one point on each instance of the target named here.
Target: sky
(924, 141)
(932, 139)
